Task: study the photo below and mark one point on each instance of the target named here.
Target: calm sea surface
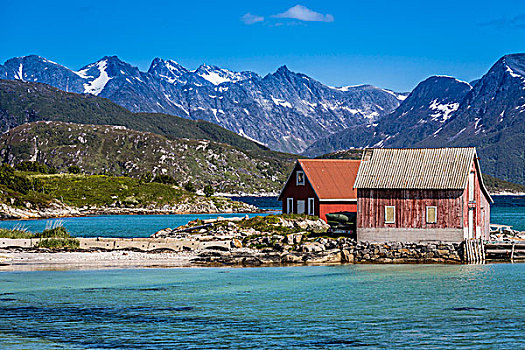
(508, 210)
(316, 307)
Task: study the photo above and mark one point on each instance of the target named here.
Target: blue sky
(391, 44)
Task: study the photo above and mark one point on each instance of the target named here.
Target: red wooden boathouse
(413, 195)
(321, 186)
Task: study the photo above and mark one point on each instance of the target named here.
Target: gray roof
(416, 168)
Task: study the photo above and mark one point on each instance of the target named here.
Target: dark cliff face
(285, 110)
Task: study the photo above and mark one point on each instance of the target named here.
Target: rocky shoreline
(199, 205)
(277, 240)
(273, 240)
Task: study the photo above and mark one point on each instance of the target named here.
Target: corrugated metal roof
(423, 168)
(331, 178)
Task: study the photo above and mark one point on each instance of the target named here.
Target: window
(431, 214)
(311, 208)
(300, 207)
(300, 178)
(471, 185)
(289, 205)
(390, 214)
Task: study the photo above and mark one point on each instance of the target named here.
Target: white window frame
(311, 206)
(289, 205)
(436, 214)
(297, 178)
(394, 216)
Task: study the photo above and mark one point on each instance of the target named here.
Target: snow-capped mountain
(286, 111)
(428, 107)
(492, 118)
(442, 111)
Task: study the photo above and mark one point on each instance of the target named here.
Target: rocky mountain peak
(262, 109)
(515, 65)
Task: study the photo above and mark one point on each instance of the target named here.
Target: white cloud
(303, 13)
(251, 19)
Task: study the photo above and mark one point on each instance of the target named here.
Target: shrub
(189, 187)
(15, 182)
(35, 167)
(208, 191)
(55, 232)
(59, 243)
(74, 169)
(146, 177)
(55, 237)
(164, 179)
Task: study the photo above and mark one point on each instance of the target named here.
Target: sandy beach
(38, 261)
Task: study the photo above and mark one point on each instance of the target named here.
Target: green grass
(103, 190)
(15, 233)
(55, 237)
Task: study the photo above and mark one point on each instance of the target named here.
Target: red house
(413, 195)
(321, 186)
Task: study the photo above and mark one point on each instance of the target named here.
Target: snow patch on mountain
(20, 73)
(400, 97)
(97, 85)
(280, 102)
(443, 111)
(513, 74)
(217, 76)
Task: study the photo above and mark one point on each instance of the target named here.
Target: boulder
(346, 257)
(235, 243)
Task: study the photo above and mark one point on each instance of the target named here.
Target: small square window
(390, 214)
(431, 215)
(300, 178)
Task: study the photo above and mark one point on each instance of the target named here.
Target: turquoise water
(115, 225)
(319, 307)
(509, 210)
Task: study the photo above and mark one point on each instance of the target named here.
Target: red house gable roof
(331, 178)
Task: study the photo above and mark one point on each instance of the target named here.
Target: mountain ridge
(284, 110)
